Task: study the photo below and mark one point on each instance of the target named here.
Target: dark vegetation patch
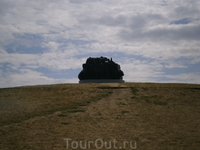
(112, 87)
(134, 90)
(125, 111)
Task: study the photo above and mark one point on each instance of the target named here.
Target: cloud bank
(46, 42)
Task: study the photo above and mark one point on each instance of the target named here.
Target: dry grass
(169, 115)
(156, 116)
(21, 103)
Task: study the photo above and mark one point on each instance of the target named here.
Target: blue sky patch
(66, 74)
(182, 21)
(22, 49)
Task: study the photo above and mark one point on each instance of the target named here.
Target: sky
(47, 41)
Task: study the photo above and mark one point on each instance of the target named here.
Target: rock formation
(100, 68)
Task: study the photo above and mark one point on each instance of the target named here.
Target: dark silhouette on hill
(100, 68)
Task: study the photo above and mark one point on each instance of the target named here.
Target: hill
(100, 116)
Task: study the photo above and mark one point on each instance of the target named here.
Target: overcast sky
(47, 41)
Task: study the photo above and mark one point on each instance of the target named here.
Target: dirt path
(104, 120)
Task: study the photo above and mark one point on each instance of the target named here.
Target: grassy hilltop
(151, 115)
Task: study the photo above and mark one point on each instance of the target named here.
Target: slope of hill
(100, 116)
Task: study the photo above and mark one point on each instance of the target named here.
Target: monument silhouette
(100, 69)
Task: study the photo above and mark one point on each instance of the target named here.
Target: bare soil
(100, 116)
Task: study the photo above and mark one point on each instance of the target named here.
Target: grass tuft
(160, 103)
(65, 123)
(134, 90)
(124, 111)
(76, 110)
(62, 115)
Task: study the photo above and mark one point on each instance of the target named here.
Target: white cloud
(184, 78)
(141, 71)
(29, 77)
(71, 31)
(83, 1)
(52, 60)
